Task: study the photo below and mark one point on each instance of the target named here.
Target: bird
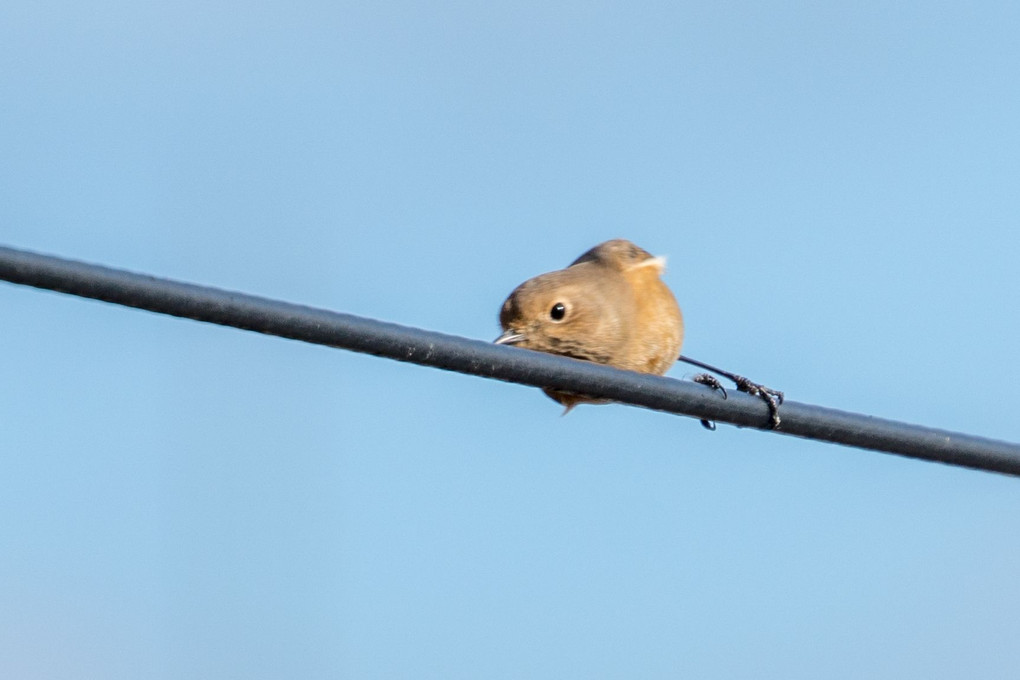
(609, 306)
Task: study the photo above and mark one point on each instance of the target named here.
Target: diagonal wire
(487, 360)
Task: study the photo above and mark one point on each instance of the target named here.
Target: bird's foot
(773, 398)
(709, 380)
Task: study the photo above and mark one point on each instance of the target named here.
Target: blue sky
(835, 186)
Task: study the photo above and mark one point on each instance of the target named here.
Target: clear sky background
(837, 187)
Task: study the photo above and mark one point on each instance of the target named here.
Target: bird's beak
(510, 337)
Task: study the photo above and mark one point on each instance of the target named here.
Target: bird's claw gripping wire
(710, 380)
(772, 398)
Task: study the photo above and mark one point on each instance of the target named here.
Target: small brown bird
(609, 306)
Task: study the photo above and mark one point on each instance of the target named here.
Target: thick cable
(474, 357)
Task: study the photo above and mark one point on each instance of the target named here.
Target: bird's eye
(558, 311)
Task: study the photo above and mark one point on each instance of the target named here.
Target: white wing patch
(659, 263)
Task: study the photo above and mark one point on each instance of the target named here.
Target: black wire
(488, 360)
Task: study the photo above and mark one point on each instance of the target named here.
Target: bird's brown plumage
(609, 306)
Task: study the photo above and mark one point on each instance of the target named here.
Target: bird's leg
(773, 398)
